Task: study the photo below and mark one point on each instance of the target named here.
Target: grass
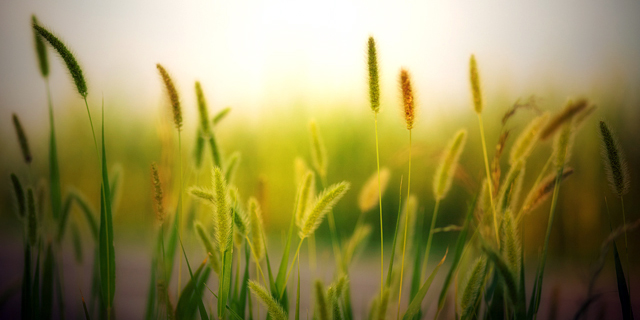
(487, 257)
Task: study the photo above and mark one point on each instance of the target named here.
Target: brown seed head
(571, 109)
(173, 96)
(408, 102)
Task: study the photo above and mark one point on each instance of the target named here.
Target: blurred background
(279, 64)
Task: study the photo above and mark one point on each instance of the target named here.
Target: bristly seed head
(173, 96)
(43, 61)
(448, 164)
(475, 84)
(157, 192)
(374, 84)
(22, 139)
(408, 102)
(567, 114)
(69, 59)
(615, 164)
(202, 109)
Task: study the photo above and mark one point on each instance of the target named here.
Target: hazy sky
(258, 54)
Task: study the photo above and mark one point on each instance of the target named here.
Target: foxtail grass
(617, 174)
(275, 310)
(22, 140)
(18, 192)
(409, 108)
(526, 141)
(442, 182)
(473, 288)
(368, 197)
(474, 79)
(374, 99)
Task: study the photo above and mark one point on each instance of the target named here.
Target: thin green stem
(380, 205)
(554, 203)
(488, 172)
(93, 131)
(406, 225)
(311, 244)
(430, 237)
(332, 227)
(180, 208)
(286, 279)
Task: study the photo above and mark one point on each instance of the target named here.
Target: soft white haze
(258, 54)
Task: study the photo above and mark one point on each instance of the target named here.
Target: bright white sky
(258, 54)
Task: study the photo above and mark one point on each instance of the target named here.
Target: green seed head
(324, 203)
(41, 50)
(22, 139)
(475, 85)
(19, 193)
(614, 163)
(72, 65)
(203, 112)
(374, 85)
(448, 165)
(318, 150)
(173, 96)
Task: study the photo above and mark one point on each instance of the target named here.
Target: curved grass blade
(107, 253)
(88, 211)
(414, 306)
(64, 216)
(623, 292)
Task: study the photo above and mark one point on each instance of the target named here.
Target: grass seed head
(304, 197)
(323, 204)
(448, 165)
(571, 109)
(408, 102)
(41, 50)
(173, 96)
(562, 145)
(614, 162)
(511, 242)
(275, 310)
(222, 220)
(203, 112)
(19, 193)
(541, 192)
(203, 194)
(511, 187)
(369, 194)
(474, 78)
(157, 192)
(526, 141)
(318, 150)
(473, 287)
(257, 229)
(22, 140)
(72, 65)
(374, 84)
(322, 305)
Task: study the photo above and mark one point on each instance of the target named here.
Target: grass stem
(430, 236)
(375, 117)
(488, 172)
(286, 279)
(406, 225)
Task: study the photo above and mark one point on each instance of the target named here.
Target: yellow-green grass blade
(215, 152)
(54, 169)
(191, 294)
(414, 306)
(225, 280)
(505, 272)
(64, 217)
(88, 211)
(242, 301)
(220, 115)
(170, 248)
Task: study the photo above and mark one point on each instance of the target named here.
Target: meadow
(510, 210)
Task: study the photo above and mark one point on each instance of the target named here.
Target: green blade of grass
(215, 153)
(151, 295)
(172, 245)
(107, 252)
(395, 236)
(460, 245)
(242, 301)
(188, 300)
(623, 292)
(504, 271)
(414, 306)
(26, 284)
(89, 213)
(47, 284)
(84, 307)
(225, 281)
(64, 216)
(297, 317)
(54, 170)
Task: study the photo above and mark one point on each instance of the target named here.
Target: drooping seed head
(562, 145)
(257, 229)
(203, 112)
(357, 241)
(275, 310)
(318, 150)
(157, 192)
(570, 110)
(22, 140)
(173, 96)
(324, 203)
(510, 239)
(408, 102)
(374, 85)
(614, 162)
(448, 165)
(541, 192)
(369, 195)
(72, 64)
(19, 193)
(41, 50)
(526, 141)
(511, 187)
(476, 91)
